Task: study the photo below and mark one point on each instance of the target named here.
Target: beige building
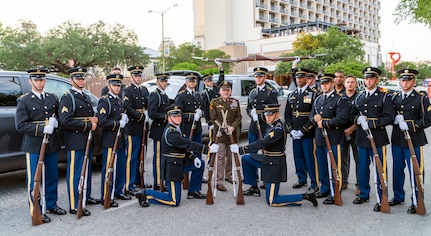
(268, 27)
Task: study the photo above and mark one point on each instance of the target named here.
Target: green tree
(193, 54)
(98, 45)
(418, 11)
(340, 48)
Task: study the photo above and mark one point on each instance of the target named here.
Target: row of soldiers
(350, 118)
(177, 140)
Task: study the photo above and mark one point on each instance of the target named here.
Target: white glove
(299, 134)
(199, 111)
(146, 116)
(297, 59)
(53, 122)
(361, 119)
(364, 125)
(260, 152)
(293, 133)
(403, 126)
(48, 129)
(197, 163)
(398, 119)
(122, 124)
(234, 148)
(253, 112)
(124, 118)
(255, 118)
(196, 117)
(214, 148)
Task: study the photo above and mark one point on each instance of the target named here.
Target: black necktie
(41, 96)
(405, 96)
(325, 97)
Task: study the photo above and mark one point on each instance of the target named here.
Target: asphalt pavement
(194, 217)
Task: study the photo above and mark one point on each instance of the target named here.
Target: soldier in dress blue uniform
(257, 99)
(375, 111)
(36, 115)
(272, 162)
(414, 115)
(177, 159)
(331, 112)
(190, 101)
(111, 116)
(312, 81)
(77, 117)
(298, 108)
(135, 99)
(158, 101)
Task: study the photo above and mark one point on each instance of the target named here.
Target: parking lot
(194, 217)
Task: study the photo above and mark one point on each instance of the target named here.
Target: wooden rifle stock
(186, 175)
(240, 196)
(110, 169)
(213, 156)
(420, 208)
(384, 201)
(83, 176)
(337, 194)
(142, 155)
(36, 218)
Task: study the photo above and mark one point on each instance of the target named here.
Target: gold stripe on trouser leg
(316, 165)
(30, 201)
(158, 163)
(129, 158)
(71, 177)
(339, 166)
(384, 164)
(174, 196)
(271, 197)
(108, 160)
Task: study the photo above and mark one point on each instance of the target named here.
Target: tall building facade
(268, 27)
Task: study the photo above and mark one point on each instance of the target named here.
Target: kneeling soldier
(177, 159)
(272, 162)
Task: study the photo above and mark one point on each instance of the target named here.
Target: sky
(410, 40)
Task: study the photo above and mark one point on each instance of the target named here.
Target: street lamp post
(162, 14)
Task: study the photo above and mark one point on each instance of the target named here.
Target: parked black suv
(12, 85)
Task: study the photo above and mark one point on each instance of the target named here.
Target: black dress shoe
(196, 194)
(377, 207)
(114, 203)
(46, 219)
(142, 199)
(329, 201)
(394, 202)
(85, 212)
(310, 197)
(313, 190)
(299, 185)
(262, 185)
(411, 210)
(57, 211)
(123, 197)
(93, 201)
(252, 191)
(360, 200)
(321, 194)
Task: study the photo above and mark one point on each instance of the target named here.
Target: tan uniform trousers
(224, 163)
